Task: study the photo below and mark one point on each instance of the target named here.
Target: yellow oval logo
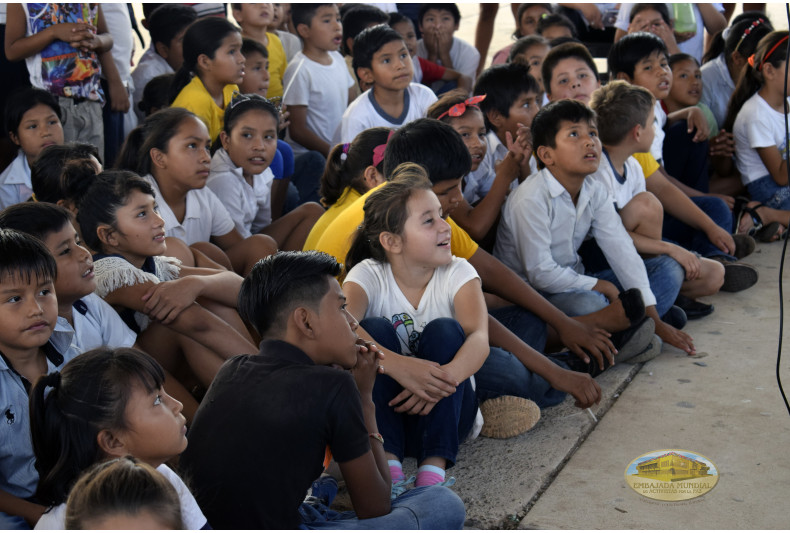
(671, 475)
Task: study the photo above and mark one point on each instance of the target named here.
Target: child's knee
(644, 208)
(441, 339)
(311, 210)
(713, 274)
(260, 245)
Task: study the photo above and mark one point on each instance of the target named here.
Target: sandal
(763, 233)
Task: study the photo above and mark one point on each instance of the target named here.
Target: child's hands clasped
(165, 301)
(722, 144)
(368, 364)
(424, 382)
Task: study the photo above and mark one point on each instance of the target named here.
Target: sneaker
(738, 276)
(675, 317)
(744, 245)
(652, 350)
(508, 416)
(633, 340)
(401, 486)
(694, 309)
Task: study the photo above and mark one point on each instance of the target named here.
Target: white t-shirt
(365, 113)
(205, 215)
(465, 58)
(150, 66)
(660, 120)
(717, 88)
(758, 125)
(323, 89)
(386, 300)
(291, 44)
(621, 192)
(249, 207)
(191, 514)
(15, 185)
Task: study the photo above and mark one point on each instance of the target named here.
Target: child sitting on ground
(546, 219)
(254, 20)
(291, 390)
(33, 123)
(124, 494)
(28, 347)
(167, 25)
(381, 59)
(212, 68)
(438, 23)
(355, 19)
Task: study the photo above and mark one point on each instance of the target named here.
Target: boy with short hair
(166, 25)
(256, 68)
(438, 23)
(318, 85)
(254, 20)
(512, 98)
(357, 18)
(28, 313)
(382, 61)
(546, 219)
(569, 71)
(297, 405)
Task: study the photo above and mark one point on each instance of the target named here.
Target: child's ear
(302, 318)
(390, 242)
(162, 49)
(204, 62)
(13, 137)
(237, 16)
(303, 30)
(106, 235)
(110, 444)
(158, 158)
(372, 177)
(546, 154)
(365, 74)
(495, 118)
(350, 46)
(224, 139)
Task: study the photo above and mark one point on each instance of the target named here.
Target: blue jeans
(766, 191)
(431, 507)
(440, 432)
(12, 522)
(695, 240)
(524, 324)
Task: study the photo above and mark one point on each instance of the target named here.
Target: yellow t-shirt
(277, 64)
(336, 239)
(647, 162)
(197, 99)
(349, 196)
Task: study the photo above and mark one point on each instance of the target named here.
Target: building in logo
(672, 466)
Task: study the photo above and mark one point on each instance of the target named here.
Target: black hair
(303, 14)
(562, 40)
(661, 9)
(548, 121)
(125, 486)
(45, 172)
(155, 132)
(751, 78)
(386, 210)
(168, 20)
(744, 33)
(100, 203)
(89, 395)
(357, 18)
(397, 18)
(565, 51)
(556, 19)
(630, 50)
(674, 59)
(450, 8)
(342, 172)
(279, 283)
(370, 41)
(38, 219)
(24, 257)
(502, 85)
(251, 46)
(522, 8)
(76, 178)
(149, 8)
(203, 37)
(240, 104)
(446, 102)
(433, 145)
(23, 100)
(156, 94)
(525, 43)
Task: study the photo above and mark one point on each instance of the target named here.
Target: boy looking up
(511, 101)
(254, 20)
(382, 60)
(546, 219)
(438, 23)
(317, 84)
(297, 405)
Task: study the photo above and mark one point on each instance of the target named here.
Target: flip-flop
(762, 232)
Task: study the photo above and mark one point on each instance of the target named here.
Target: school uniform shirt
(541, 231)
(205, 216)
(477, 184)
(386, 300)
(97, 324)
(55, 518)
(365, 112)
(717, 88)
(622, 188)
(248, 206)
(660, 120)
(323, 89)
(150, 66)
(464, 56)
(197, 99)
(758, 125)
(349, 196)
(15, 185)
(337, 237)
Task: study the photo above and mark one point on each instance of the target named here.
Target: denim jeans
(440, 432)
(766, 191)
(524, 324)
(8, 522)
(695, 240)
(431, 507)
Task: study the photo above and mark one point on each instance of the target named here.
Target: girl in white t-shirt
(105, 403)
(241, 177)
(418, 300)
(759, 129)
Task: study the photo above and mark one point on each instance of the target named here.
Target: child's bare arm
(473, 317)
(648, 246)
(302, 134)
(776, 165)
(18, 46)
(13, 506)
(164, 301)
(464, 82)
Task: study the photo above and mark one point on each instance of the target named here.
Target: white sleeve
(758, 130)
(221, 221)
(623, 17)
(351, 124)
(466, 59)
(371, 278)
(296, 82)
(226, 189)
(458, 275)
(193, 517)
(115, 332)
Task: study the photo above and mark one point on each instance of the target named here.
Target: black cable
(784, 247)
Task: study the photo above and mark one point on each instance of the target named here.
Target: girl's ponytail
(129, 156)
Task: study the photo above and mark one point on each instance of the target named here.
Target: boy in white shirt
(382, 59)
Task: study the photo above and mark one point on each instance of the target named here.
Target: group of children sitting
(476, 256)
